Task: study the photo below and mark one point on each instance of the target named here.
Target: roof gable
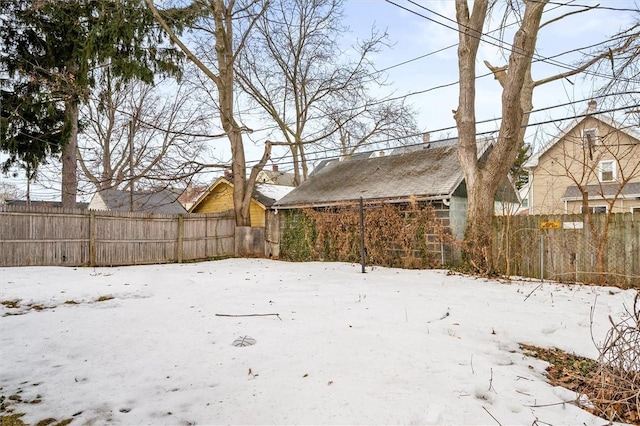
(277, 177)
(264, 194)
(221, 181)
(428, 173)
(629, 131)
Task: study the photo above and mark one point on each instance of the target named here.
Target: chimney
(275, 167)
(382, 153)
(426, 140)
(592, 106)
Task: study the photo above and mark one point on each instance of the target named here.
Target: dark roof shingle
(609, 190)
(164, 201)
(428, 173)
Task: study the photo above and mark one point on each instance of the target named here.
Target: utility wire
(486, 37)
(479, 134)
(599, 7)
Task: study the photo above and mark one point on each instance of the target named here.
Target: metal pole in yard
(542, 256)
(362, 248)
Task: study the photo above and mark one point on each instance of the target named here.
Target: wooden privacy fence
(569, 248)
(70, 237)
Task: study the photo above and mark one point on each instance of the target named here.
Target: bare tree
(9, 191)
(377, 124)
(297, 71)
(220, 20)
(597, 161)
(624, 66)
(483, 178)
(142, 134)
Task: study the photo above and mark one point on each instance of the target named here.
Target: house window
(635, 209)
(589, 137)
(607, 171)
(594, 209)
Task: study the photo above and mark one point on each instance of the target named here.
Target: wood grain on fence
(50, 236)
(566, 248)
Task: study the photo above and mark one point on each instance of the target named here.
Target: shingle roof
(429, 173)
(268, 194)
(38, 203)
(280, 178)
(439, 143)
(631, 189)
(163, 201)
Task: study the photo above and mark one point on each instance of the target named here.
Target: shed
(432, 175)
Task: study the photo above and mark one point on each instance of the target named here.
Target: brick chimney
(275, 167)
(592, 105)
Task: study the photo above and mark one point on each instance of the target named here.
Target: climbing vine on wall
(410, 235)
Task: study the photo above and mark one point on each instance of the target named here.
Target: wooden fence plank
(36, 236)
(569, 253)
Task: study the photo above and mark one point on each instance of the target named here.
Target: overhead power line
(479, 134)
(486, 37)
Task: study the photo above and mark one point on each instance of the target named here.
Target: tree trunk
(478, 239)
(484, 176)
(70, 156)
(478, 215)
(223, 16)
(241, 203)
(296, 164)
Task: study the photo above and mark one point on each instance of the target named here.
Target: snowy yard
(143, 344)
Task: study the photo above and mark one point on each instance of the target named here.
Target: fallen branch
(532, 291)
(249, 315)
(491, 382)
(573, 401)
(483, 407)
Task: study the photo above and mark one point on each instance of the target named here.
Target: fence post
(92, 238)
(179, 247)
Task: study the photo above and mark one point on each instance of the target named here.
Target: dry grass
(9, 416)
(612, 383)
(12, 304)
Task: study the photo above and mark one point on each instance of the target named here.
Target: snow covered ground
(386, 347)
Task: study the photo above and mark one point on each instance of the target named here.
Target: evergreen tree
(52, 48)
(519, 175)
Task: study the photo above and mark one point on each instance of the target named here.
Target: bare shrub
(618, 376)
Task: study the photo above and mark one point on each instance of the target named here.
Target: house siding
(97, 203)
(220, 199)
(621, 205)
(569, 163)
